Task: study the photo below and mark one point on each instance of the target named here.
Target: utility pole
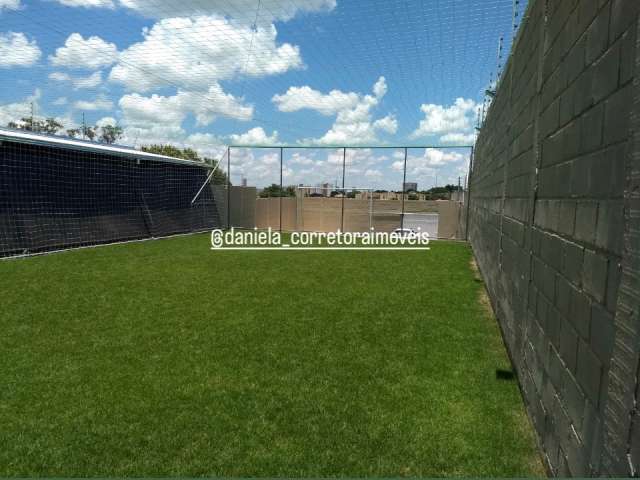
(33, 125)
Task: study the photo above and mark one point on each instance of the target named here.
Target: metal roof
(22, 136)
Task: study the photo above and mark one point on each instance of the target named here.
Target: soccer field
(164, 358)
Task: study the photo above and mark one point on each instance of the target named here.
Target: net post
(281, 187)
(228, 188)
(344, 166)
(404, 181)
(370, 210)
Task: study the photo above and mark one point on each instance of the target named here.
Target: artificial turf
(164, 358)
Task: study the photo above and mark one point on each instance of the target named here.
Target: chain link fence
(351, 189)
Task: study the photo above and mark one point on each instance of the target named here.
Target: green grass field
(164, 358)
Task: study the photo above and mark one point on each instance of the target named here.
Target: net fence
(56, 196)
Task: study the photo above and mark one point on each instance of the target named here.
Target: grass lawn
(164, 358)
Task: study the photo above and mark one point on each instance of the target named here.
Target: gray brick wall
(552, 227)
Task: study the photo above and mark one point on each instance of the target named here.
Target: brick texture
(552, 199)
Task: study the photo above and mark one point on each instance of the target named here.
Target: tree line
(219, 176)
(108, 134)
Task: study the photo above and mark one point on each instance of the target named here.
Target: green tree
(50, 126)
(73, 132)
(25, 123)
(275, 190)
(110, 134)
(89, 132)
(219, 176)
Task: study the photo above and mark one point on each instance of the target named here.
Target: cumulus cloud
(100, 103)
(432, 159)
(206, 144)
(255, 136)
(104, 121)
(91, 81)
(141, 111)
(88, 3)
(354, 122)
(173, 53)
(458, 138)
(16, 50)
(78, 52)
(388, 124)
(9, 5)
(298, 98)
(13, 112)
(450, 123)
(158, 119)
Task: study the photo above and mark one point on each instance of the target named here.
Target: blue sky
(208, 73)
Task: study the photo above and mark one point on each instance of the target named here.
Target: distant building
(410, 187)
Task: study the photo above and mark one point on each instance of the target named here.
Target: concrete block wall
(552, 212)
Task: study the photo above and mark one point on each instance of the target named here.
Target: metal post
(344, 165)
(404, 181)
(468, 195)
(370, 210)
(228, 188)
(281, 187)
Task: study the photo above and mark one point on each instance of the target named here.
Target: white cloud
(88, 3)
(16, 50)
(9, 5)
(207, 145)
(153, 135)
(173, 53)
(148, 111)
(240, 10)
(448, 122)
(60, 101)
(388, 124)
(91, 81)
(459, 138)
(380, 88)
(298, 98)
(255, 136)
(431, 159)
(143, 111)
(354, 123)
(90, 53)
(100, 103)
(13, 112)
(158, 119)
(300, 159)
(59, 77)
(104, 121)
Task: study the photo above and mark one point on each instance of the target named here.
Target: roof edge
(32, 138)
